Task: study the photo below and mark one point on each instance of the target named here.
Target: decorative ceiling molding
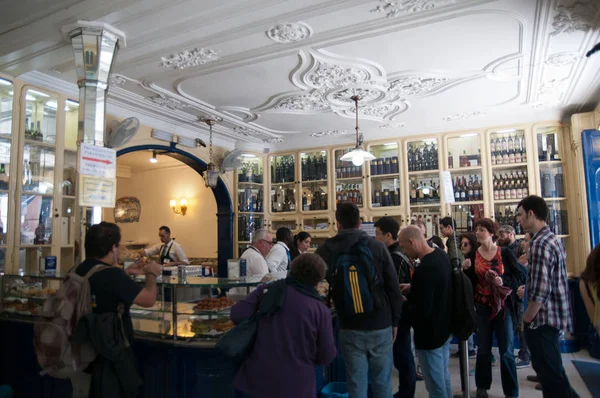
(273, 140)
(394, 8)
(187, 59)
(409, 86)
(116, 80)
(289, 32)
(240, 112)
(245, 131)
(552, 88)
(329, 133)
(578, 16)
(464, 116)
(167, 102)
(561, 59)
(392, 126)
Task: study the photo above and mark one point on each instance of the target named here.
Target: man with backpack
(365, 290)
(431, 307)
(110, 287)
(386, 231)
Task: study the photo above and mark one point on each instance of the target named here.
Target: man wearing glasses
(256, 265)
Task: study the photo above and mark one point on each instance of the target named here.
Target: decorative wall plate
(127, 210)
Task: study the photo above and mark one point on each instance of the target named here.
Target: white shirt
(174, 249)
(256, 265)
(277, 259)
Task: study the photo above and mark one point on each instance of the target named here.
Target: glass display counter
(192, 308)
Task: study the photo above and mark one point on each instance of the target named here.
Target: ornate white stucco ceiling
(280, 73)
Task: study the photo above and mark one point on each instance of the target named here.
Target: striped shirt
(547, 283)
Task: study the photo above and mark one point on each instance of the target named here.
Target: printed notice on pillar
(447, 188)
(97, 161)
(97, 191)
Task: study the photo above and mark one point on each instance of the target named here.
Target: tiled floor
(526, 387)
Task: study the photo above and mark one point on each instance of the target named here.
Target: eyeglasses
(267, 242)
(465, 244)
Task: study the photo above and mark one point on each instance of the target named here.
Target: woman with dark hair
(468, 247)
(493, 268)
(280, 258)
(292, 340)
(301, 244)
(589, 287)
(436, 241)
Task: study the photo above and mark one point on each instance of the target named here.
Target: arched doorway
(222, 197)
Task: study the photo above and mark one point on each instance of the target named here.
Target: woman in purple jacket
(290, 342)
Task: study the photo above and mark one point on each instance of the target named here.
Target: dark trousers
(519, 327)
(404, 361)
(547, 362)
(502, 326)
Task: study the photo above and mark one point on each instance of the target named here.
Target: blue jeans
(368, 358)
(434, 365)
(404, 361)
(547, 362)
(502, 325)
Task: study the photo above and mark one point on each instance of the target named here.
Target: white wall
(196, 231)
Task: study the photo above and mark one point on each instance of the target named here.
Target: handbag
(238, 342)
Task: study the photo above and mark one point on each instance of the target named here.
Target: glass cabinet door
(422, 155)
(250, 189)
(316, 223)
(69, 187)
(465, 215)
(508, 147)
(247, 224)
(552, 182)
(283, 184)
(424, 190)
(40, 117)
(6, 113)
(349, 182)
(289, 223)
(464, 151)
(314, 188)
(251, 171)
(384, 176)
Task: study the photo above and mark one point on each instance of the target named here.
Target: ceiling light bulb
(153, 158)
(358, 160)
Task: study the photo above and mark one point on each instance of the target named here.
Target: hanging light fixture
(153, 158)
(211, 175)
(358, 155)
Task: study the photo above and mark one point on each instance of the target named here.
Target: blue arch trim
(222, 197)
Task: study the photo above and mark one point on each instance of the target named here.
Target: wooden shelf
(475, 202)
(506, 201)
(313, 182)
(348, 179)
(6, 136)
(562, 236)
(464, 169)
(274, 184)
(554, 199)
(423, 172)
(508, 166)
(251, 212)
(424, 205)
(551, 163)
(40, 144)
(251, 183)
(394, 175)
(34, 246)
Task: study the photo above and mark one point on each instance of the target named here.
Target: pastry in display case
(24, 295)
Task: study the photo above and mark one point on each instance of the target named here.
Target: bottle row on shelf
(552, 186)
(386, 198)
(509, 218)
(283, 200)
(423, 192)
(314, 202)
(558, 220)
(465, 160)
(467, 191)
(283, 169)
(382, 166)
(315, 168)
(33, 131)
(348, 170)
(248, 201)
(349, 193)
(508, 150)
(247, 224)
(422, 158)
(511, 186)
(250, 172)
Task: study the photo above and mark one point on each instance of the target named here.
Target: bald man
(430, 304)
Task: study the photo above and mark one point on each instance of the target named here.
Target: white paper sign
(447, 188)
(369, 228)
(97, 191)
(97, 161)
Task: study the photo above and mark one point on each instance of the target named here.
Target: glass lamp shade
(357, 156)
(211, 176)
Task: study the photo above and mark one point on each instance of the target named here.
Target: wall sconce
(182, 206)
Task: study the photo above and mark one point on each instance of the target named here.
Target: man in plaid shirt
(549, 310)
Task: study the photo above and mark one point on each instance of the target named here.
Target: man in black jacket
(430, 309)
(386, 231)
(366, 339)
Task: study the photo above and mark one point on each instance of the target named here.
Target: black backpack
(462, 323)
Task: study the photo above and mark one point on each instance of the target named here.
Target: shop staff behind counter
(171, 253)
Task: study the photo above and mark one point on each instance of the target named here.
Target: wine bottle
(558, 183)
(410, 158)
(387, 166)
(450, 161)
(546, 186)
(395, 168)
